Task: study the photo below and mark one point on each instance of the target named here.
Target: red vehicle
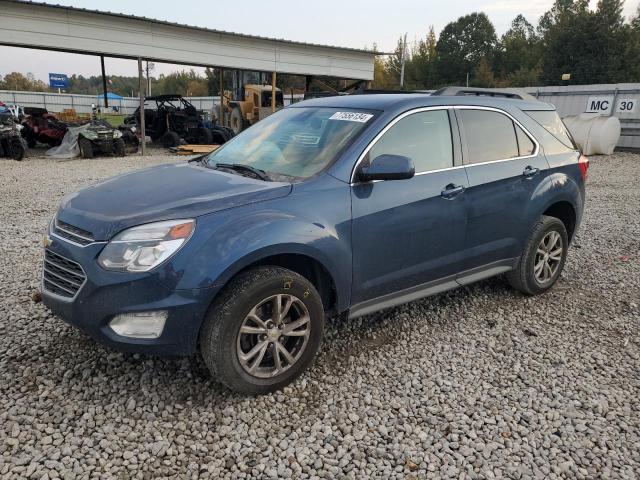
(42, 126)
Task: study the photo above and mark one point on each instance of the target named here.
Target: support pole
(404, 59)
(104, 83)
(143, 131)
(148, 79)
(221, 119)
(273, 92)
(615, 102)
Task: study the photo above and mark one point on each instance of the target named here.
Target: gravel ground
(476, 383)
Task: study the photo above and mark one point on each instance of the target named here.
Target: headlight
(117, 134)
(141, 248)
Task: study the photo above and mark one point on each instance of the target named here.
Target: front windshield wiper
(261, 174)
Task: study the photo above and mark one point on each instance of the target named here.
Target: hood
(164, 192)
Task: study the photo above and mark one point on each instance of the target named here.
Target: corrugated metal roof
(174, 24)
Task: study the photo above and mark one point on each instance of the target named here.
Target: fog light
(139, 324)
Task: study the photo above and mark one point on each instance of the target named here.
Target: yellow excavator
(247, 103)
(253, 104)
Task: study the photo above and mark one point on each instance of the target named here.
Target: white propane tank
(595, 134)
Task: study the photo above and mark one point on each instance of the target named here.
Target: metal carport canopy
(56, 27)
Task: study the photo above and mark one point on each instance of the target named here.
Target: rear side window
(490, 136)
(424, 137)
(552, 123)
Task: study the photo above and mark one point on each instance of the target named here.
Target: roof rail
(381, 91)
(484, 92)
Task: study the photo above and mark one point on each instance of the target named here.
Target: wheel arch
(299, 259)
(558, 196)
(566, 213)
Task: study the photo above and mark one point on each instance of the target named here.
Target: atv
(12, 144)
(41, 126)
(100, 137)
(172, 120)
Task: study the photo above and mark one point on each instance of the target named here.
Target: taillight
(583, 163)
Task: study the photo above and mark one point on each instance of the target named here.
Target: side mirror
(388, 167)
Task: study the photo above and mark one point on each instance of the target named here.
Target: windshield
(294, 142)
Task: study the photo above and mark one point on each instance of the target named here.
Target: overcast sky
(330, 22)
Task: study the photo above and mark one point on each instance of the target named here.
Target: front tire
(543, 258)
(18, 148)
(119, 148)
(263, 331)
(86, 147)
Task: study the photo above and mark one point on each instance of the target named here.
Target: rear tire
(543, 257)
(170, 139)
(244, 320)
(205, 137)
(86, 148)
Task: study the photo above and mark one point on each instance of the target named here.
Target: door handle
(530, 171)
(451, 191)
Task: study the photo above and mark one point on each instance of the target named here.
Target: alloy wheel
(548, 257)
(273, 336)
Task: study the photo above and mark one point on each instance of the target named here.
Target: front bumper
(106, 294)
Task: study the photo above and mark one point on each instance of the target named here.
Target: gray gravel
(477, 383)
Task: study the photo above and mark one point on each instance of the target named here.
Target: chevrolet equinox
(338, 206)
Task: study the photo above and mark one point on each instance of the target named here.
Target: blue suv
(338, 206)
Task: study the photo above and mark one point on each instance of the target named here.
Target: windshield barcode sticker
(351, 116)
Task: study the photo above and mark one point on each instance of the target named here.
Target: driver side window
(424, 137)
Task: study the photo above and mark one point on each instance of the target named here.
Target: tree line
(592, 46)
(185, 82)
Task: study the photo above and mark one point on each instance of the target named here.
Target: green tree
(519, 51)
(25, 83)
(593, 46)
(568, 42)
(461, 46)
(483, 75)
(559, 10)
(421, 67)
(614, 37)
(184, 82)
(393, 66)
(635, 21)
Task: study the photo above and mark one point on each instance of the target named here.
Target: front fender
(227, 242)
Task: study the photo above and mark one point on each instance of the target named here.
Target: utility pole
(404, 58)
(150, 66)
(104, 84)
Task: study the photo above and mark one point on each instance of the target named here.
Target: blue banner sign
(58, 80)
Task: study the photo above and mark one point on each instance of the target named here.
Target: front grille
(62, 276)
(74, 234)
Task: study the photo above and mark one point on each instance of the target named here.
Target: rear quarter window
(551, 122)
